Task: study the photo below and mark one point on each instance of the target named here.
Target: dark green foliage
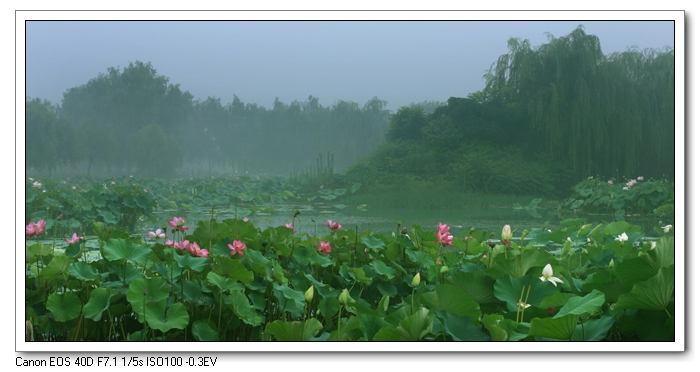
(406, 124)
(599, 114)
(121, 104)
(548, 117)
(50, 140)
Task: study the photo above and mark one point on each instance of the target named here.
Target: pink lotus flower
(178, 224)
(74, 239)
(169, 243)
(325, 247)
(35, 229)
(202, 253)
(444, 238)
(333, 225)
(183, 245)
(30, 229)
(443, 234)
(158, 234)
(245, 219)
(41, 227)
(194, 248)
(237, 247)
(289, 225)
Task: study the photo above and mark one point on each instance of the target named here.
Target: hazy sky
(401, 62)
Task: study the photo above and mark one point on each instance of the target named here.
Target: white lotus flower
(622, 238)
(667, 228)
(548, 275)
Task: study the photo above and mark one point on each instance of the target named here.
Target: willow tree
(600, 115)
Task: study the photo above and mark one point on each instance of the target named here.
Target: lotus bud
(566, 248)
(525, 233)
(506, 234)
(443, 269)
(309, 294)
(612, 263)
(28, 331)
(416, 281)
(343, 298)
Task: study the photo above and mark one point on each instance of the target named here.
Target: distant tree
(98, 144)
(50, 140)
(128, 100)
(154, 152)
(600, 115)
(406, 124)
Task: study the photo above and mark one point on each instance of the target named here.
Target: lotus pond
(245, 259)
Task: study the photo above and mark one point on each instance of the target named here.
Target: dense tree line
(133, 121)
(547, 118)
(601, 115)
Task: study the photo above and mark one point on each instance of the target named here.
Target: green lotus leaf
(223, 283)
(411, 328)
(518, 266)
(663, 255)
(637, 269)
(99, 302)
(64, 306)
(143, 291)
(654, 293)
(290, 300)
(502, 329)
(243, 309)
(83, 271)
(461, 328)
(293, 331)
(560, 328)
(594, 329)
(371, 324)
(56, 268)
(203, 330)
(175, 317)
(511, 291)
(73, 250)
(387, 289)
(360, 276)
(381, 268)
(453, 301)
(187, 261)
(257, 263)
(373, 242)
(124, 249)
(322, 260)
(232, 269)
(582, 305)
(328, 307)
(476, 284)
(302, 255)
